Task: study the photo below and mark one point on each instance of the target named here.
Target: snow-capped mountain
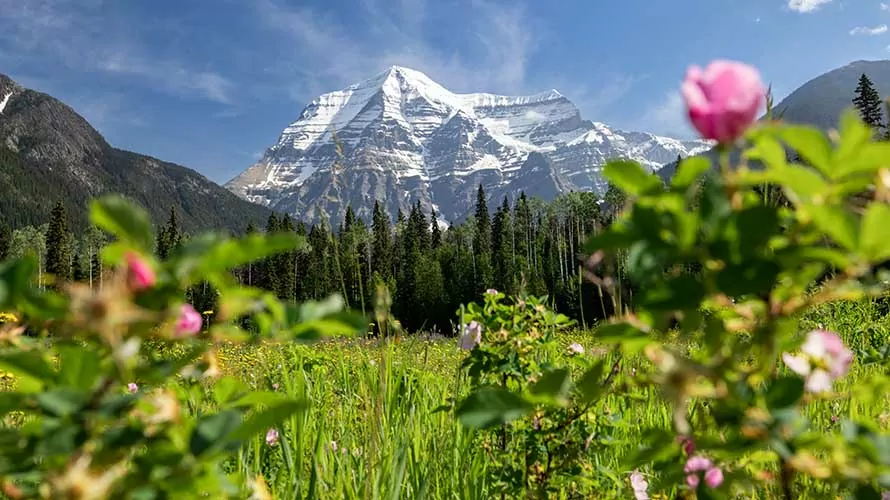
(400, 138)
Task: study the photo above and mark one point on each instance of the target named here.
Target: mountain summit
(400, 137)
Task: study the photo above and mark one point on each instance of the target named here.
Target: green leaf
(211, 432)
(489, 406)
(867, 160)
(630, 177)
(214, 254)
(62, 402)
(31, 369)
(689, 171)
(874, 234)
(784, 392)
(261, 421)
(78, 366)
(591, 383)
(867, 492)
(811, 144)
(799, 182)
(836, 222)
(124, 220)
(554, 386)
(854, 135)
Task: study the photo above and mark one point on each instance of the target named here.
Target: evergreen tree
(868, 103)
(381, 256)
(269, 275)
(502, 249)
(58, 244)
(482, 243)
(169, 237)
(284, 265)
(436, 233)
(5, 241)
(77, 270)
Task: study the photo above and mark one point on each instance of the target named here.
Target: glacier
(401, 138)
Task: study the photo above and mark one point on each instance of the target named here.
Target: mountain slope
(400, 138)
(820, 101)
(50, 153)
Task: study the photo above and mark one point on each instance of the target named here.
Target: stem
(787, 480)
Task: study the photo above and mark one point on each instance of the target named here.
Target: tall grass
(377, 425)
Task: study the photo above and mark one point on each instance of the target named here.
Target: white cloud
(806, 5)
(885, 7)
(80, 35)
(668, 117)
(331, 56)
(863, 30)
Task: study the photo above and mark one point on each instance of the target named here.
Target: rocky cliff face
(401, 137)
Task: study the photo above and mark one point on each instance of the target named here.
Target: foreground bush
(96, 411)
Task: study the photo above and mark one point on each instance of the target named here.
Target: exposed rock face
(401, 137)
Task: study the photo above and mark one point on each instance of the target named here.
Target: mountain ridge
(49, 153)
(400, 137)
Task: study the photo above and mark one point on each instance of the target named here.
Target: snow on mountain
(400, 137)
(4, 101)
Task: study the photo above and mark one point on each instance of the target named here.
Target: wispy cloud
(806, 6)
(885, 6)
(864, 30)
(80, 35)
(332, 56)
(667, 117)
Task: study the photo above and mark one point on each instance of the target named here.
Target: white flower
(639, 485)
(471, 336)
(823, 359)
(576, 348)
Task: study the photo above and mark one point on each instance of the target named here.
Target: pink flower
(491, 291)
(723, 99)
(471, 337)
(272, 437)
(576, 348)
(695, 465)
(140, 275)
(688, 444)
(189, 322)
(132, 387)
(639, 485)
(823, 359)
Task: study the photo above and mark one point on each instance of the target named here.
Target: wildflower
(132, 388)
(639, 485)
(491, 291)
(333, 446)
(472, 336)
(695, 465)
(275, 386)
(272, 437)
(723, 99)
(140, 275)
(823, 359)
(688, 444)
(189, 322)
(576, 348)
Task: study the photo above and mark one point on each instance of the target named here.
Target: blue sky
(211, 83)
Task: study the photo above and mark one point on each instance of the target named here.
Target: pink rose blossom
(576, 348)
(272, 437)
(132, 387)
(697, 464)
(688, 444)
(140, 275)
(823, 359)
(471, 336)
(639, 485)
(723, 99)
(189, 322)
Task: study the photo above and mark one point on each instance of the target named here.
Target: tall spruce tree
(58, 244)
(5, 241)
(435, 232)
(482, 243)
(169, 237)
(269, 274)
(284, 264)
(381, 256)
(868, 103)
